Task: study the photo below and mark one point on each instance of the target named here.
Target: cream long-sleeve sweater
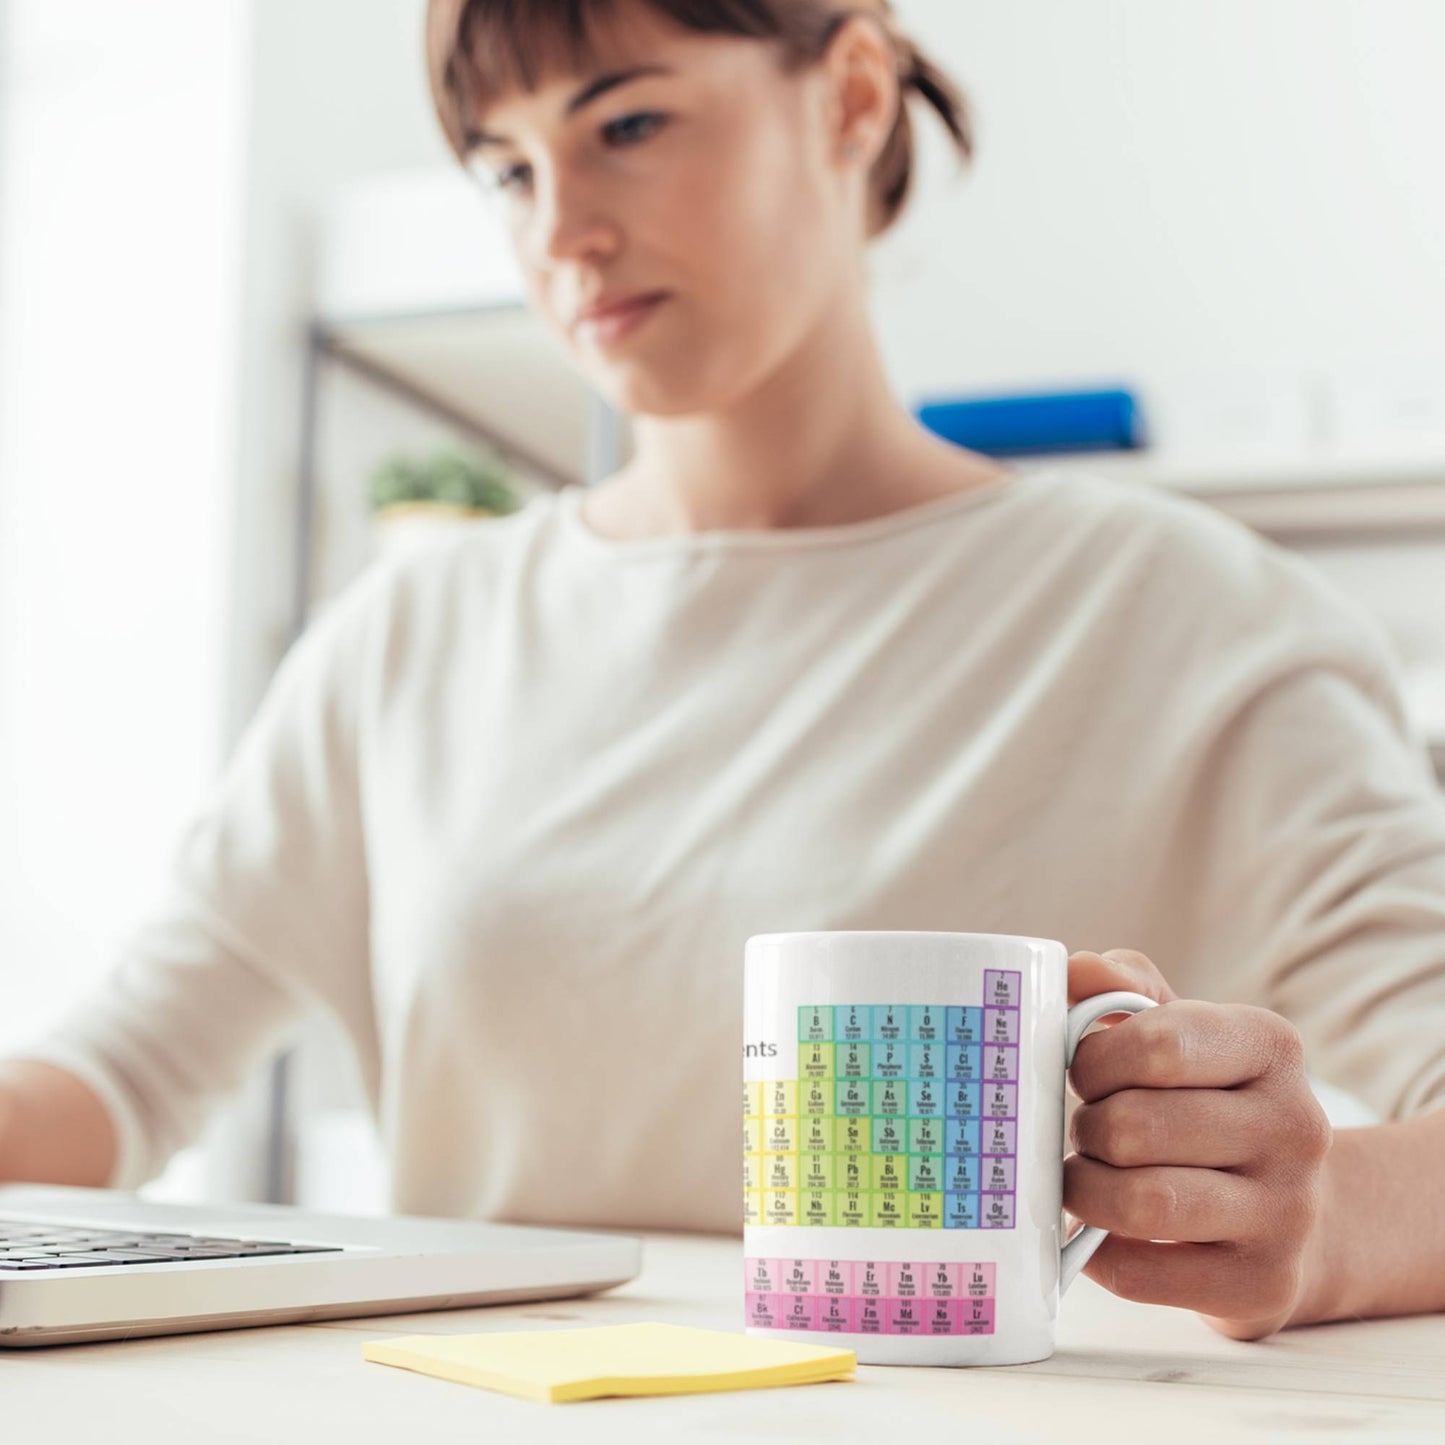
(512, 806)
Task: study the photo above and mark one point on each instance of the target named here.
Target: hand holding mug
(1200, 1149)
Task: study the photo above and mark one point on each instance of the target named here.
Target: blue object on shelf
(1042, 422)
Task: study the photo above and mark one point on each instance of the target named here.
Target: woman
(511, 808)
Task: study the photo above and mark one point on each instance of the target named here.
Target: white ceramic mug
(903, 1097)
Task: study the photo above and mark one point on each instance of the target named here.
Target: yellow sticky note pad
(644, 1359)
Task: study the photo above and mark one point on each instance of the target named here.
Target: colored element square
(887, 1210)
(998, 1174)
(925, 1173)
(853, 1061)
(853, 1135)
(905, 1316)
(975, 1317)
(961, 1174)
(889, 1171)
(1002, 988)
(1001, 1061)
(780, 1206)
(961, 1136)
(926, 1136)
(926, 1023)
(761, 1311)
(964, 1026)
(780, 1098)
(815, 1099)
(815, 1135)
(815, 1061)
(890, 1059)
(996, 1211)
(925, 1211)
(752, 1136)
(978, 1280)
(890, 1023)
(853, 1172)
(815, 1023)
(870, 1317)
(851, 1096)
(870, 1279)
(752, 1098)
(760, 1275)
(815, 1208)
(835, 1315)
(780, 1136)
(890, 1136)
(926, 1098)
(795, 1276)
(835, 1276)
(1001, 1025)
(965, 1061)
(927, 1061)
(851, 1209)
(779, 1171)
(1000, 1136)
(905, 1279)
(752, 1206)
(940, 1316)
(943, 1281)
(815, 1171)
(797, 1312)
(963, 1100)
(852, 1023)
(890, 1097)
(960, 1211)
(752, 1171)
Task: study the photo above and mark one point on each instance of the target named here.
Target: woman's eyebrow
(600, 86)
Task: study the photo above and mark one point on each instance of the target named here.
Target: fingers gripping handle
(1078, 1251)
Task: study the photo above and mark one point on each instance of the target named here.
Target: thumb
(1119, 968)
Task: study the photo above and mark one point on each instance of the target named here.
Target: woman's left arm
(1198, 1127)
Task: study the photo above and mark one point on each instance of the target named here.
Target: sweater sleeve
(1309, 841)
(265, 915)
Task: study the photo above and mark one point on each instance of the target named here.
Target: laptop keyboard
(26, 1245)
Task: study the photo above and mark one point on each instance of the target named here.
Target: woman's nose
(571, 221)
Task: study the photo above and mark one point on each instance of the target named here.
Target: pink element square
(941, 1316)
(978, 1280)
(944, 1281)
(976, 1317)
(797, 1312)
(906, 1316)
(869, 1279)
(761, 1276)
(795, 1276)
(836, 1315)
(870, 1317)
(906, 1281)
(834, 1276)
(761, 1311)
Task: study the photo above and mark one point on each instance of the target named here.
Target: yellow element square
(780, 1136)
(752, 1136)
(816, 1098)
(889, 1172)
(852, 1171)
(815, 1171)
(752, 1171)
(780, 1206)
(815, 1136)
(886, 1209)
(925, 1211)
(752, 1206)
(780, 1098)
(815, 1061)
(852, 1136)
(815, 1208)
(779, 1171)
(752, 1098)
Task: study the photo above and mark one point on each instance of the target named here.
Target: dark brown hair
(477, 49)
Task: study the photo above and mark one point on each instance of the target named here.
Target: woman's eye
(504, 180)
(634, 127)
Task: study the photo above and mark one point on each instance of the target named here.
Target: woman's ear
(863, 88)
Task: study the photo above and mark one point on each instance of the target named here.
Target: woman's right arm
(267, 915)
(54, 1128)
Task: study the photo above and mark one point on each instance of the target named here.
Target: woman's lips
(610, 327)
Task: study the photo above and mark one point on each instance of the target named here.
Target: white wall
(119, 265)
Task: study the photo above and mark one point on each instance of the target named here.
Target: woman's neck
(822, 441)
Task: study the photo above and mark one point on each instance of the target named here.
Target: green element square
(853, 1135)
(890, 1097)
(851, 1097)
(889, 1172)
(852, 1061)
(851, 1208)
(815, 1023)
(890, 1136)
(815, 1136)
(925, 1211)
(925, 1173)
(888, 1209)
(815, 1208)
(926, 1136)
(852, 1172)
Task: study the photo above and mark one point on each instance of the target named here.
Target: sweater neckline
(785, 539)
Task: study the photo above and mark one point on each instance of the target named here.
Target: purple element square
(1000, 1101)
(1000, 1136)
(1001, 988)
(1001, 1061)
(999, 1174)
(1000, 1025)
(996, 1211)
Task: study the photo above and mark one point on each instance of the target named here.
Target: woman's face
(712, 181)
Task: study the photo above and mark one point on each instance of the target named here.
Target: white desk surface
(1122, 1372)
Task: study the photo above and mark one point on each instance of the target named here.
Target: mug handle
(1077, 1252)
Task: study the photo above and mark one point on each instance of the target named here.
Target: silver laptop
(97, 1264)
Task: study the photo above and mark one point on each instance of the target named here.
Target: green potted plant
(412, 496)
